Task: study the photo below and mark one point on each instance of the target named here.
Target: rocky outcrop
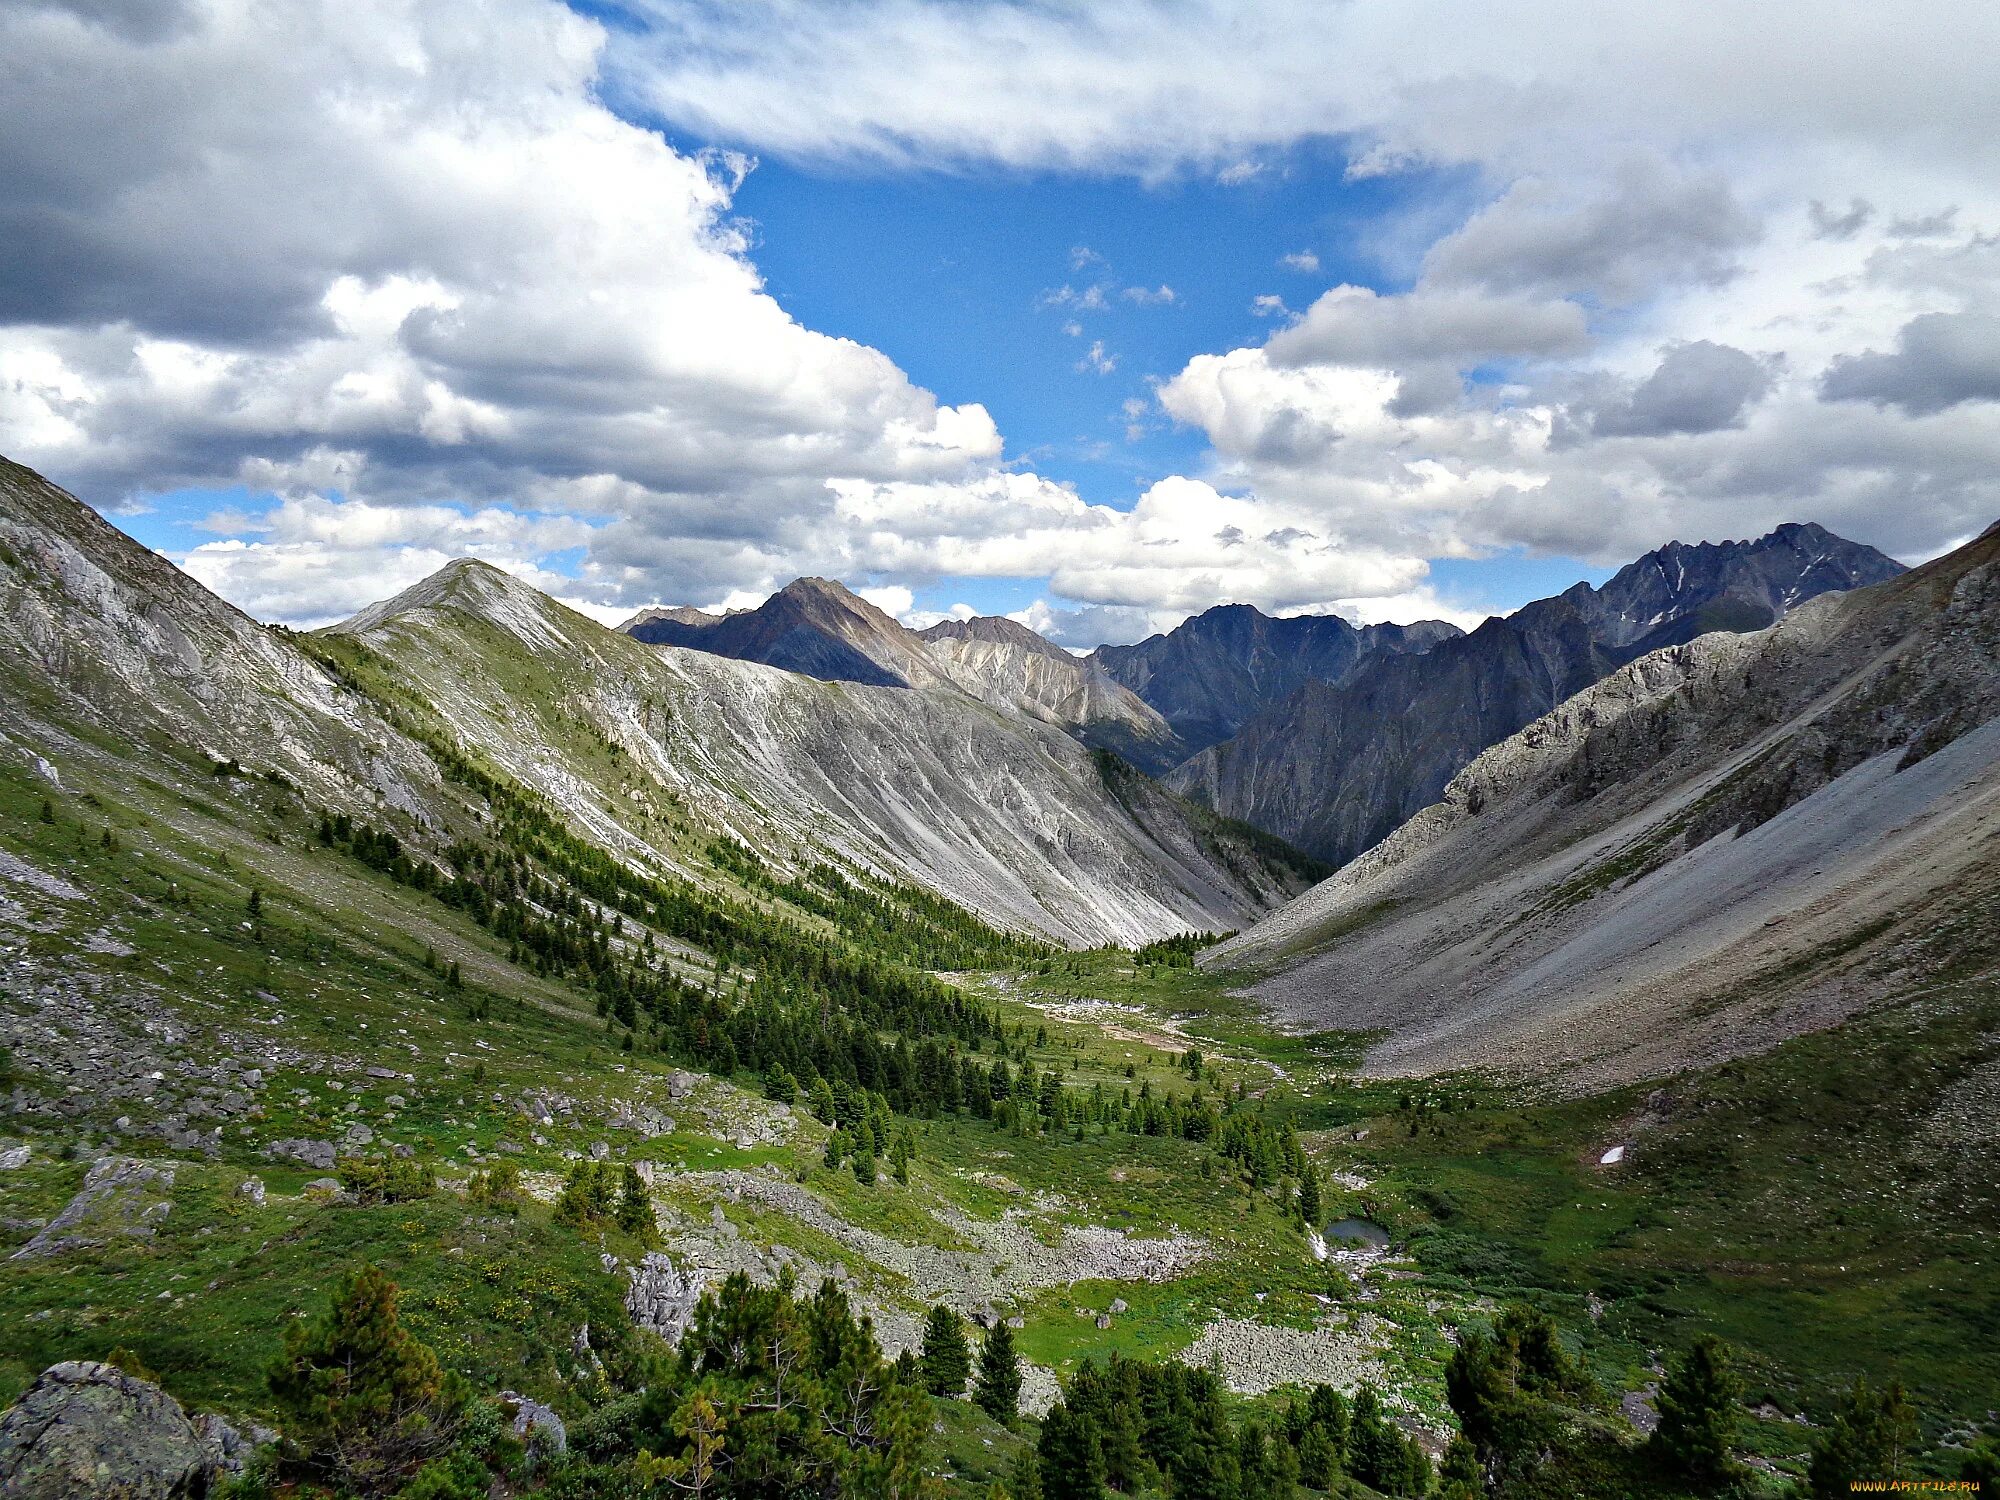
(317, 1154)
(121, 1197)
(534, 1424)
(1338, 765)
(1004, 663)
(88, 1431)
(663, 1295)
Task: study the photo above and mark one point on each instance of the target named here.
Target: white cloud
(371, 257)
(414, 248)
(1095, 361)
(1300, 260)
(891, 599)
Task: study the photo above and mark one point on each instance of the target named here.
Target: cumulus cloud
(374, 258)
(1352, 325)
(1654, 226)
(1300, 260)
(243, 242)
(1698, 387)
(1940, 360)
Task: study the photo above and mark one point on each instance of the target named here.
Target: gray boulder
(306, 1153)
(662, 1296)
(535, 1424)
(89, 1431)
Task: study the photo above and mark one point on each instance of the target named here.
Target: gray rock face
(88, 1431)
(1211, 675)
(121, 1196)
(663, 1295)
(535, 1424)
(1338, 766)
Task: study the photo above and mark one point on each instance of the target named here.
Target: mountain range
(654, 751)
(1322, 732)
(1722, 843)
(600, 989)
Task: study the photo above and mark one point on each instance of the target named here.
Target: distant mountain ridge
(1339, 765)
(822, 629)
(108, 652)
(1211, 674)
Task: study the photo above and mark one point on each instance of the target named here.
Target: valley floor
(184, 1069)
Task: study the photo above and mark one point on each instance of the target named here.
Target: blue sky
(675, 302)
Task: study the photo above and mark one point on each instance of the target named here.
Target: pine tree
(999, 1389)
(1461, 1478)
(946, 1359)
(1309, 1204)
(1867, 1439)
(635, 1207)
(1072, 1460)
(365, 1403)
(1698, 1413)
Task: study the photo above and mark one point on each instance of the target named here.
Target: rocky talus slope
(1723, 843)
(1342, 762)
(1007, 815)
(821, 629)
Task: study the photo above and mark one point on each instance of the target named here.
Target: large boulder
(89, 1431)
(120, 1196)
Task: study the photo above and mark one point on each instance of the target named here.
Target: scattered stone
(253, 1189)
(85, 1429)
(382, 1072)
(224, 1449)
(1118, 1304)
(358, 1135)
(599, 1151)
(15, 1157)
(1639, 1409)
(321, 1187)
(1103, 1320)
(306, 1153)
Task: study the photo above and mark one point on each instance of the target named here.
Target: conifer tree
(999, 1389)
(1072, 1460)
(946, 1359)
(1868, 1438)
(1698, 1413)
(365, 1404)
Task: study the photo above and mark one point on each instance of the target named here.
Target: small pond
(1356, 1232)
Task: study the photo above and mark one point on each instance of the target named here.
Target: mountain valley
(596, 984)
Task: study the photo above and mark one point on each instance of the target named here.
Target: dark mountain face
(811, 626)
(1212, 674)
(1337, 766)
